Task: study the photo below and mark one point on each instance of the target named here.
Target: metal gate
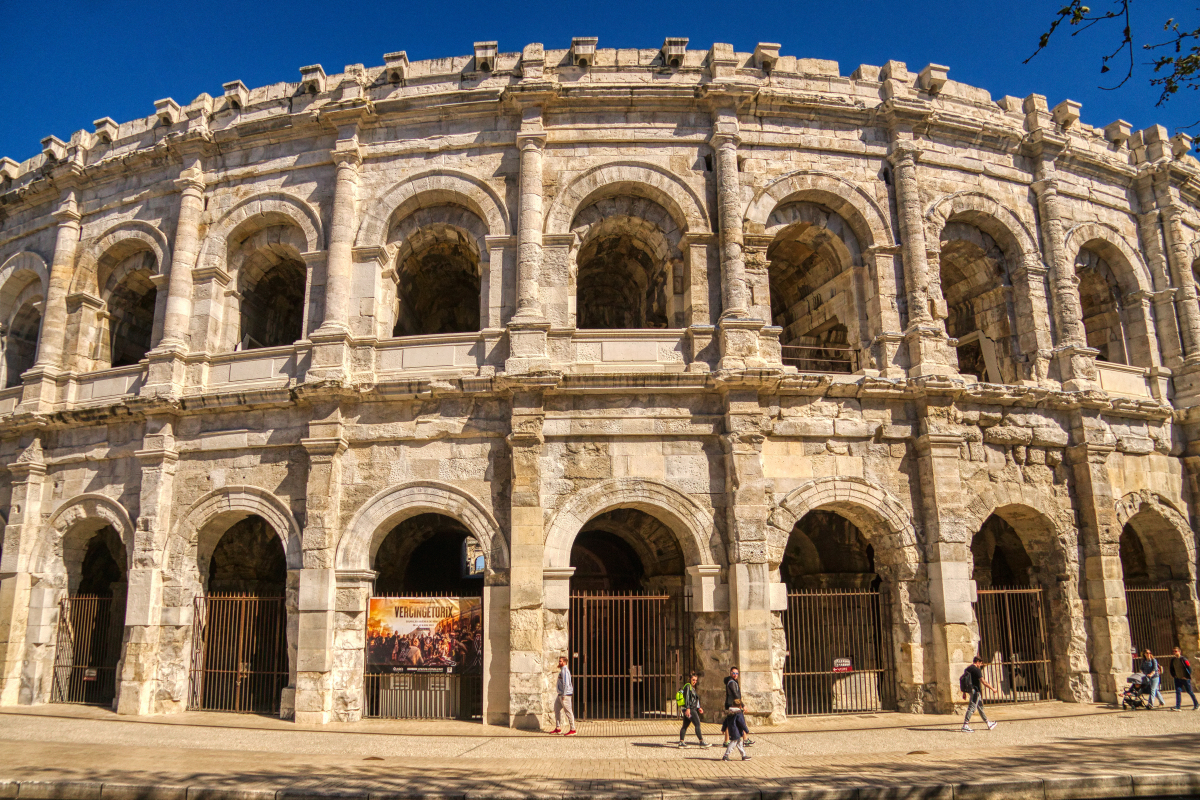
(87, 648)
(1152, 624)
(1013, 644)
(629, 653)
(239, 654)
(839, 657)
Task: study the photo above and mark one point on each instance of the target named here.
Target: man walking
(564, 699)
(1181, 671)
(974, 674)
(691, 712)
(735, 707)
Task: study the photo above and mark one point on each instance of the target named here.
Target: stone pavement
(1050, 751)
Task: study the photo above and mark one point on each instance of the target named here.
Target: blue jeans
(1184, 685)
(1154, 692)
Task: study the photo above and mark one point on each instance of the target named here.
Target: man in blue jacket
(564, 699)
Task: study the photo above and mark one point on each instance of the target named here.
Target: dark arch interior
(131, 306)
(620, 285)
(827, 551)
(604, 562)
(976, 288)
(20, 347)
(1134, 565)
(249, 559)
(439, 289)
(429, 554)
(273, 307)
(1000, 556)
(1100, 303)
(625, 550)
(102, 573)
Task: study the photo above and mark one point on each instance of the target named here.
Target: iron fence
(87, 649)
(839, 656)
(629, 653)
(808, 358)
(239, 653)
(1013, 644)
(1151, 617)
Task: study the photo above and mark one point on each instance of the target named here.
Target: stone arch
(1179, 547)
(24, 264)
(23, 282)
(693, 526)
(91, 511)
(119, 241)
(1108, 242)
(431, 188)
(633, 178)
(990, 216)
(850, 202)
(256, 212)
(229, 505)
(879, 515)
(387, 509)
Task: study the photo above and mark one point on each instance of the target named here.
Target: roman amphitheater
(677, 358)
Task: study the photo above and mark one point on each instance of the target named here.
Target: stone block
(1000, 790)
(1090, 787)
(142, 791)
(60, 790)
(1161, 784)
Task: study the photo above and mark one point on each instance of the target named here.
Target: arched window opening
(978, 295)
(439, 283)
(248, 560)
(623, 278)
(626, 550)
(1133, 556)
(827, 551)
(96, 566)
(811, 287)
(999, 556)
(429, 554)
(272, 305)
(124, 325)
(20, 344)
(131, 313)
(1104, 317)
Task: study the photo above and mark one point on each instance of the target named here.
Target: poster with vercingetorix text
(425, 635)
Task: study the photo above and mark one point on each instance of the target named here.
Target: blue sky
(76, 61)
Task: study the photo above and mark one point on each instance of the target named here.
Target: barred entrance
(839, 655)
(1151, 624)
(1013, 644)
(629, 653)
(87, 648)
(239, 653)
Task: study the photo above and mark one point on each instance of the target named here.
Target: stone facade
(885, 295)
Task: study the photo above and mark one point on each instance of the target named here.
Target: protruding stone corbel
(396, 67)
(105, 130)
(766, 56)
(237, 96)
(167, 111)
(556, 588)
(674, 50)
(54, 148)
(933, 78)
(1066, 114)
(485, 56)
(312, 79)
(583, 51)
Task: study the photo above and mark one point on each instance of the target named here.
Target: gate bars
(1013, 644)
(239, 654)
(88, 646)
(839, 657)
(629, 653)
(1151, 624)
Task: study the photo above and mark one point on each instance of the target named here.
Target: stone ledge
(1094, 787)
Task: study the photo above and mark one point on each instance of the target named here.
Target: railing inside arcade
(809, 358)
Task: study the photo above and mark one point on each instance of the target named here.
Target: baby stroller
(1137, 692)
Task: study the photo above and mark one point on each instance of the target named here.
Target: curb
(1094, 787)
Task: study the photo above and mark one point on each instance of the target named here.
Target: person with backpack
(1152, 670)
(971, 683)
(734, 706)
(688, 699)
(1181, 671)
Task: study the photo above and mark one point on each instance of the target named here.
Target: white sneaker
(965, 729)
(991, 725)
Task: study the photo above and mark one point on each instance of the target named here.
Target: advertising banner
(425, 635)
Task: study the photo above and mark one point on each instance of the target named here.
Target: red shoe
(557, 730)
(570, 732)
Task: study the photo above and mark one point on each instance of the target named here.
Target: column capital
(191, 179)
(1045, 187)
(346, 156)
(721, 139)
(904, 152)
(530, 139)
(67, 212)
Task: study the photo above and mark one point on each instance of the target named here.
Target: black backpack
(965, 682)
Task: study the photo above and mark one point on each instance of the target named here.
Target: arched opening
(91, 618)
(20, 343)
(271, 281)
(240, 660)
(1011, 612)
(811, 287)
(425, 625)
(839, 655)
(438, 290)
(624, 275)
(1160, 589)
(131, 305)
(979, 303)
(629, 636)
(1105, 320)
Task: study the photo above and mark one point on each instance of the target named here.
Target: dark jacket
(733, 693)
(1181, 668)
(690, 698)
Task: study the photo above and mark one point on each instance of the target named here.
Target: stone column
(1099, 538)
(948, 543)
(144, 645)
(318, 580)
(528, 327)
(40, 389)
(1033, 307)
(25, 517)
(753, 596)
(528, 665)
(1187, 383)
(699, 301)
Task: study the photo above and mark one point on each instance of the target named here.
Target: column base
(930, 352)
(330, 362)
(1077, 368)
(527, 346)
(40, 392)
(740, 345)
(885, 351)
(1186, 382)
(166, 375)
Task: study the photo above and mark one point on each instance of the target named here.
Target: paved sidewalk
(1034, 746)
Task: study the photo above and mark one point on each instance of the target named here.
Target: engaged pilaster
(27, 473)
(528, 328)
(41, 388)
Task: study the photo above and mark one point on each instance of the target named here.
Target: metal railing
(629, 652)
(839, 658)
(808, 358)
(239, 654)
(1013, 644)
(88, 646)
(1152, 624)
